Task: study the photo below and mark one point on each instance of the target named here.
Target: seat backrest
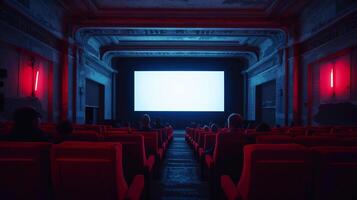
(310, 141)
(117, 132)
(228, 154)
(201, 138)
(319, 130)
(195, 134)
(297, 131)
(336, 173)
(170, 131)
(88, 170)
(151, 142)
(190, 131)
(84, 135)
(25, 170)
(281, 130)
(276, 171)
(160, 136)
(126, 129)
(98, 128)
(134, 156)
(348, 141)
(209, 141)
(274, 139)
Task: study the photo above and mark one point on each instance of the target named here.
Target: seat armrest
(136, 189)
(201, 152)
(160, 153)
(150, 162)
(209, 161)
(228, 188)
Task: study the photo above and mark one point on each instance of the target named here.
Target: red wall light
(331, 78)
(36, 80)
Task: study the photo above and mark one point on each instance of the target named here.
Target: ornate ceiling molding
(253, 51)
(179, 42)
(181, 53)
(182, 34)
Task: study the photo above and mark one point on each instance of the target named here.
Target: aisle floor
(179, 174)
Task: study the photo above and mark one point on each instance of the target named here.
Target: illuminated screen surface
(179, 91)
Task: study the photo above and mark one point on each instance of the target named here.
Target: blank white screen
(179, 91)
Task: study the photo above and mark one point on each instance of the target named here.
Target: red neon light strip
(36, 83)
(331, 78)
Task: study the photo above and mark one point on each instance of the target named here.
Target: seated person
(145, 123)
(27, 126)
(206, 128)
(234, 122)
(157, 124)
(214, 128)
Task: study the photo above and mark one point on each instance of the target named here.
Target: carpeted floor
(179, 175)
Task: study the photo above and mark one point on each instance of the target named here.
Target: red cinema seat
(199, 144)
(161, 138)
(195, 136)
(189, 134)
(125, 129)
(272, 171)
(151, 141)
(87, 127)
(134, 155)
(117, 132)
(209, 142)
(311, 141)
(165, 138)
(25, 170)
(274, 139)
(319, 130)
(227, 158)
(91, 170)
(170, 133)
(297, 131)
(348, 141)
(84, 135)
(336, 173)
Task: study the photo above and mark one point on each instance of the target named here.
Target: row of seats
(307, 140)
(313, 130)
(294, 172)
(97, 131)
(227, 156)
(70, 170)
(143, 146)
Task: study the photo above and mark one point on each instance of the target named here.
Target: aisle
(180, 178)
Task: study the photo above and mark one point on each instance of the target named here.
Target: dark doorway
(94, 102)
(265, 103)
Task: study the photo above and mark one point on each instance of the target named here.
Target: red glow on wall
(36, 80)
(335, 79)
(331, 78)
(26, 81)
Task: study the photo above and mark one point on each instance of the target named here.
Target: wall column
(64, 82)
(297, 85)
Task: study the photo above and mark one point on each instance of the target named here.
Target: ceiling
(182, 4)
(108, 43)
(248, 29)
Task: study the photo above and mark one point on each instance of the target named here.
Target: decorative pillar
(286, 86)
(297, 85)
(64, 82)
